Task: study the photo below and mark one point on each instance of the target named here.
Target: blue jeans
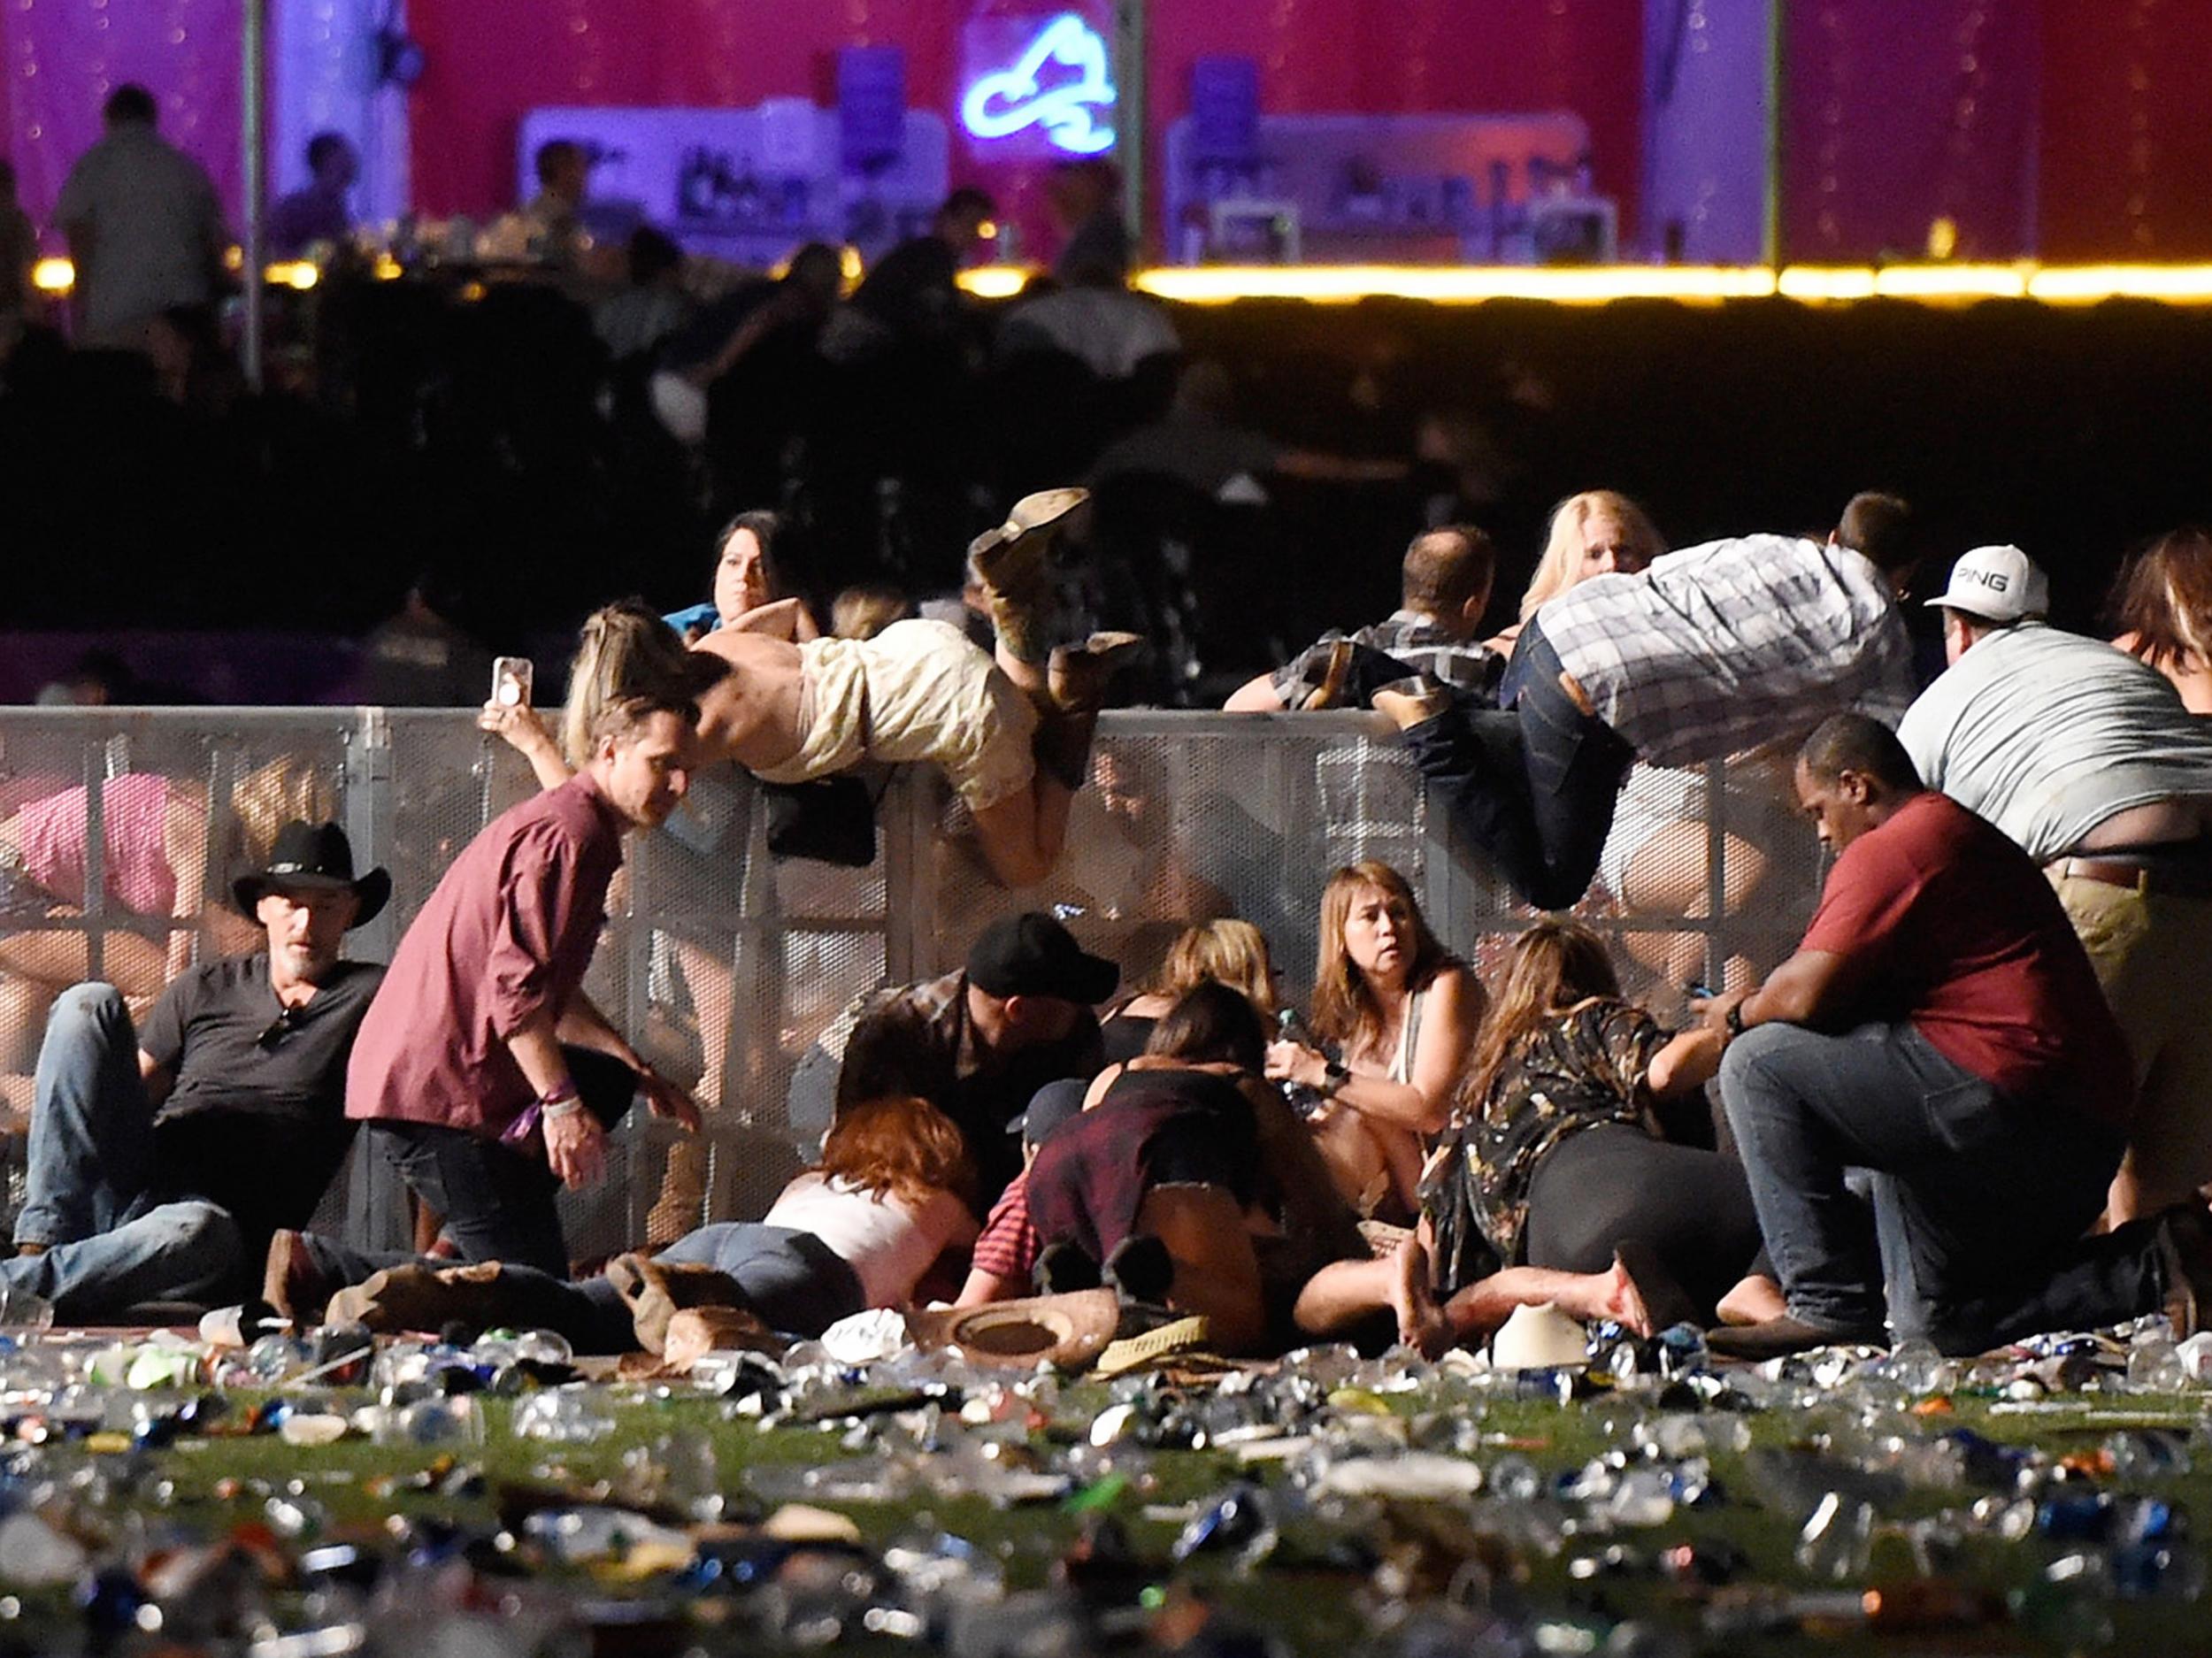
(110, 1246)
(496, 1200)
(1980, 1201)
(795, 1283)
(1533, 785)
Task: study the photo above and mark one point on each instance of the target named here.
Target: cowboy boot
(1012, 565)
(412, 1296)
(700, 1330)
(1078, 675)
(657, 1291)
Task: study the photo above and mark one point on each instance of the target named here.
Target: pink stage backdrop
(1900, 112)
(2068, 127)
(2126, 150)
(489, 64)
(62, 58)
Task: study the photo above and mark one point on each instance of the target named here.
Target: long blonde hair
(627, 651)
(1555, 965)
(1346, 1009)
(1562, 544)
(1228, 951)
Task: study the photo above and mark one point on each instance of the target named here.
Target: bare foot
(1422, 1325)
(1755, 1300)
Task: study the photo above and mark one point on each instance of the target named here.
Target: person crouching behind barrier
(1401, 1012)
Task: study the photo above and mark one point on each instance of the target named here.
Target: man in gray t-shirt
(144, 227)
(2088, 760)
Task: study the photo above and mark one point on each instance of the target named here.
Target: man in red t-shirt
(1940, 1027)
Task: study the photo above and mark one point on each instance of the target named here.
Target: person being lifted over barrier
(161, 1158)
(1712, 649)
(2087, 758)
(1013, 735)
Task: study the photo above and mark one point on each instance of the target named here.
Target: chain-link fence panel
(1707, 877)
(731, 968)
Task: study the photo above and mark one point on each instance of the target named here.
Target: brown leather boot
(415, 1297)
(1078, 675)
(700, 1329)
(683, 1194)
(657, 1291)
(1012, 563)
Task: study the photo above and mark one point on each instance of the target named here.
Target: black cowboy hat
(313, 854)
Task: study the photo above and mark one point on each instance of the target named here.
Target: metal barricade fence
(731, 967)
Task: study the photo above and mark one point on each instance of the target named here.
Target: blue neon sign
(1014, 99)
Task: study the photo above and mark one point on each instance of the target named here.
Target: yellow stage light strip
(1581, 285)
(1811, 284)
(995, 281)
(2086, 284)
(1585, 285)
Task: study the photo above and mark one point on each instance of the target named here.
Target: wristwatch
(1734, 1018)
(1337, 1074)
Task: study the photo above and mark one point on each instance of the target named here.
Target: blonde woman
(1655, 861)
(1229, 951)
(1594, 533)
(1011, 731)
(1400, 1012)
(154, 833)
(154, 836)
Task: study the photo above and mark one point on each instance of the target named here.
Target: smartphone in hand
(511, 677)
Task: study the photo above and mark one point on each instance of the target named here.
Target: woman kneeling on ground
(859, 1230)
(1556, 1168)
(1230, 951)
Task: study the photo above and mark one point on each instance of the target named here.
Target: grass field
(1625, 1523)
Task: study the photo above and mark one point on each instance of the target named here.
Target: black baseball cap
(1032, 955)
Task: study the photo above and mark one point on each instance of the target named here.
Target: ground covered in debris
(308, 1499)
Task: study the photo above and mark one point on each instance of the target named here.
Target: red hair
(902, 1145)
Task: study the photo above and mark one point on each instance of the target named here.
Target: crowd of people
(1967, 1105)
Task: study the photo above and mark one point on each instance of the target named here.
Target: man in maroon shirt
(482, 1070)
(1940, 1027)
